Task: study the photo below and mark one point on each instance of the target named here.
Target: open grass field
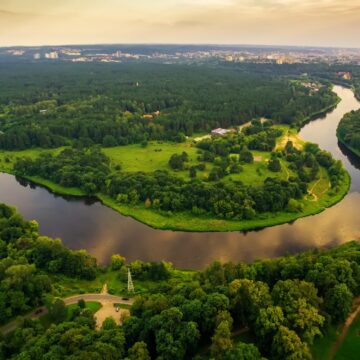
(350, 348)
(322, 345)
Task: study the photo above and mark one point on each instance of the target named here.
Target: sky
(265, 22)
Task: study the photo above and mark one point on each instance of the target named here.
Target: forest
(283, 305)
(348, 131)
(51, 105)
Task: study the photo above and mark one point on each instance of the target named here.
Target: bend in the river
(87, 224)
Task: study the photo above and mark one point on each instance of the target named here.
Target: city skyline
(328, 23)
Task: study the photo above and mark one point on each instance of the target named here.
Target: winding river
(87, 224)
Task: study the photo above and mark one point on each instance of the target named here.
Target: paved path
(104, 299)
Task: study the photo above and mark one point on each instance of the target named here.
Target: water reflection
(86, 224)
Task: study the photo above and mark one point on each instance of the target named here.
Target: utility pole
(130, 283)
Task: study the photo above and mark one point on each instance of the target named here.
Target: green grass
(350, 348)
(322, 345)
(155, 156)
(117, 283)
(94, 306)
(66, 286)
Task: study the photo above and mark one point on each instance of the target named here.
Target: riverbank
(189, 223)
(319, 113)
(353, 150)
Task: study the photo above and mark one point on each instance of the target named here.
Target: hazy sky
(285, 22)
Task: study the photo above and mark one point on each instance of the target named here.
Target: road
(103, 299)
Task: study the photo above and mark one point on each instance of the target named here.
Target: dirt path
(108, 309)
(104, 289)
(311, 192)
(345, 328)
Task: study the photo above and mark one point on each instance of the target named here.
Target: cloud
(309, 22)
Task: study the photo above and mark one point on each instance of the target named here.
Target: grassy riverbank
(322, 198)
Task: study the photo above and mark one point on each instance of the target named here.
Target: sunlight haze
(283, 22)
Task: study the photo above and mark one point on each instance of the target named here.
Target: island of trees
(274, 309)
(348, 131)
(137, 137)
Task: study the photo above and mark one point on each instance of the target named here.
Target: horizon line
(182, 44)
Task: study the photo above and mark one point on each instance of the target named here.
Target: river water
(87, 224)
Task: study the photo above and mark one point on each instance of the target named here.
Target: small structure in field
(219, 132)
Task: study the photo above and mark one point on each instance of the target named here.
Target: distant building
(16, 52)
(147, 116)
(43, 111)
(219, 132)
(345, 75)
(37, 56)
(52, 55)
(157, 113)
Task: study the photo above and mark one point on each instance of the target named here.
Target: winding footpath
(107, 302)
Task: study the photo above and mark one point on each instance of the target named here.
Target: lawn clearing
(350, 348)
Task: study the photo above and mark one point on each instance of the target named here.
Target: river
(87, 224)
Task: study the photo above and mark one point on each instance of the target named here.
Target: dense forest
(49, 105)
(320, 71)
(283, 304)
(348, 130)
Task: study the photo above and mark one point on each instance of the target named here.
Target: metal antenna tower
(130, 282)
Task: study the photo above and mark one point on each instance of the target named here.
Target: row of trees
(84, 168)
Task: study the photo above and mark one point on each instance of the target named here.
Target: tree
(139, 351)
(274, 165)
(192, 172)
(109, 323)
(267, 324)
(246, 156)
(117, 262)
(242, 351)
(247, 298)
(287, 345)
(338, 302)
(221, 341)
(306, 321)
(109, 141)
(81, 303)
(57, 311)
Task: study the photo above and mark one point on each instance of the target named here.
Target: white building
(219, 132)
(52, 55)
